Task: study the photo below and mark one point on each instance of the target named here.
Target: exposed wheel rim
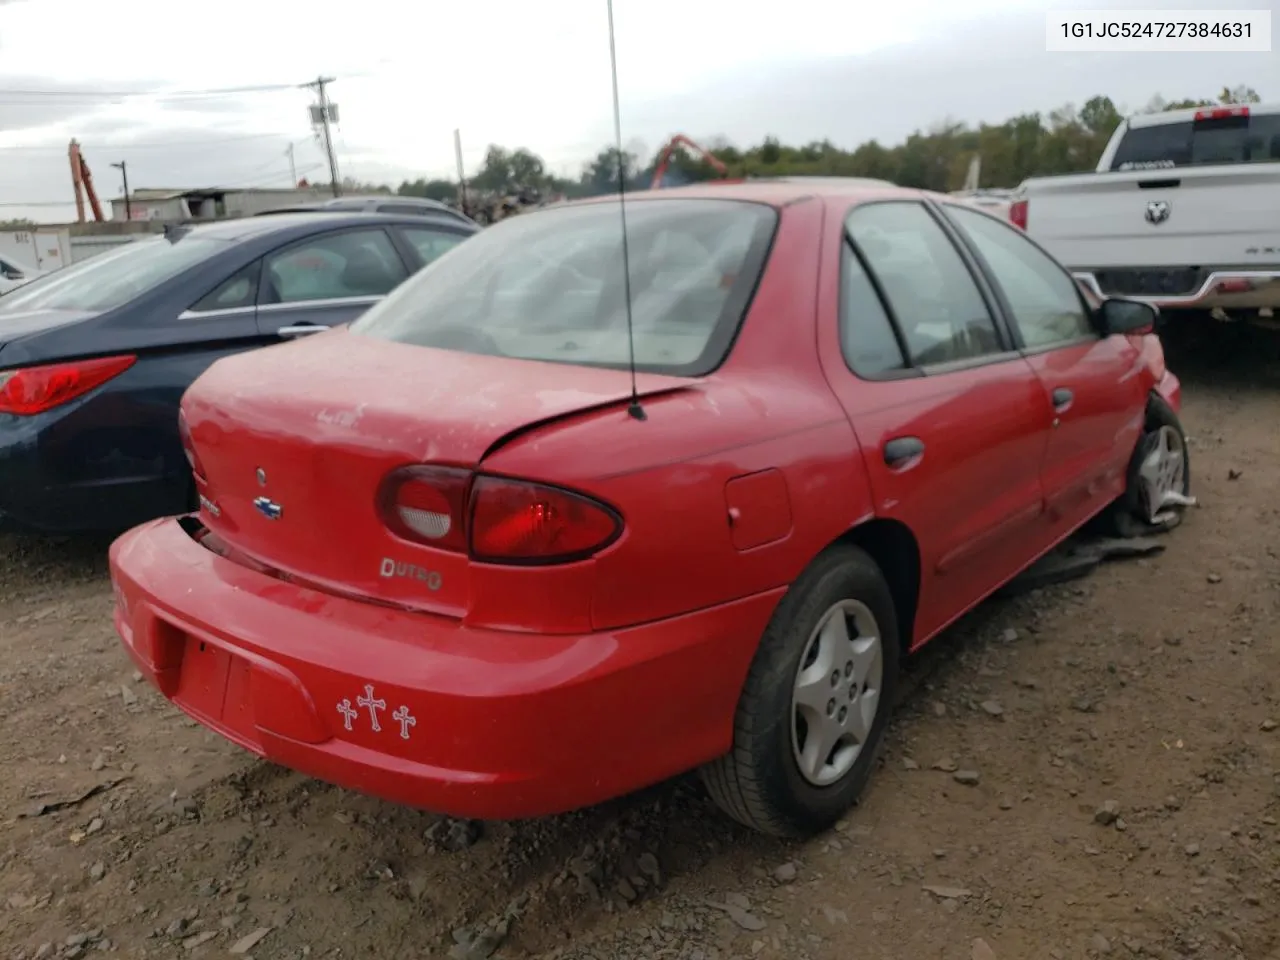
(836, 696)
(1163, 472)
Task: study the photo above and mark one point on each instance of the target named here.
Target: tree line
(1066, 140)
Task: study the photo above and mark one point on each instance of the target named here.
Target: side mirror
(1118, 315)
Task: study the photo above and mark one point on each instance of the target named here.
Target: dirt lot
(1123, 729)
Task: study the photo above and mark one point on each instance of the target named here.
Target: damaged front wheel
(1158, 482)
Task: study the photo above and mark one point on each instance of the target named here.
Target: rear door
(326, 280)
(951, 420)
(1095, 384)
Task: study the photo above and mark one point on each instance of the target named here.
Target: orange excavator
(82, 183)
(680, 140)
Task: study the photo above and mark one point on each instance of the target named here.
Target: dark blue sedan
(95, 357)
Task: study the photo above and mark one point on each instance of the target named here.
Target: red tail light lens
(495, 519)
(1221, 113)
(517, 522)
(1018, 214)
(31, 390)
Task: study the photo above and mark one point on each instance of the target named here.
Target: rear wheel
(1158, 481)
(816, 702)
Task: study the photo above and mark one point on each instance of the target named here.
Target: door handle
(900, 451)
(1062, 399)
(301, 329)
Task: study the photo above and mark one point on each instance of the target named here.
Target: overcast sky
(129, 80)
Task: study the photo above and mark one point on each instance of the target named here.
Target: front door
(326, 280)
(952, 422)
(1095, 385)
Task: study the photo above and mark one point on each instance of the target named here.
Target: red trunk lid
(295, 441)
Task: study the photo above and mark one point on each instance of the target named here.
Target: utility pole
(123, 167)
(293, 168)
(322, 114)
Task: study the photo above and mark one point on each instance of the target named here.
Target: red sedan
(457, 557)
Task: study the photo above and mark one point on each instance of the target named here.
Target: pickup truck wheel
(1159, 477)
(813, 711)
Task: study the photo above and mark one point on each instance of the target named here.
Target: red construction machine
(668, 151)
(82, 183)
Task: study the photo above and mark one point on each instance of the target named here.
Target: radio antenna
(633, 409)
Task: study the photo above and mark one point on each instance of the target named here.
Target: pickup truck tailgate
(1219, 216)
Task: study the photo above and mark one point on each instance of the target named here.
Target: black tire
(759, 782)
(1125, 518)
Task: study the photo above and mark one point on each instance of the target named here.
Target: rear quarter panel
(113, 458)
(110, 459)
(667, 477)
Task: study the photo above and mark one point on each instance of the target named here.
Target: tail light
(1221, 113)
(31, 390)
(1018, 214)
(1235, 285)
(428, 505)
(517, 522)
(495, 519)
(189, 448)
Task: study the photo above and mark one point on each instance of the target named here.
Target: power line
(258, 181)
(237, 182)
(165, 94)
(146, 145)
(37, 203)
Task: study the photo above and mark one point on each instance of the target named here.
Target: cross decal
(348, 712)
(406, 720)
(373, 706)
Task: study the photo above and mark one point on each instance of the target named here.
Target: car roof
(248, 227)
(776, 191)
(424, 206)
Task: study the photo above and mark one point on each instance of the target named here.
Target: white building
(213, 203)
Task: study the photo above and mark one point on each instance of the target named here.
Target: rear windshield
(110, 280)
(551, 286)
(1248, 139)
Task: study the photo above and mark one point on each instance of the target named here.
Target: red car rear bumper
(486, 724)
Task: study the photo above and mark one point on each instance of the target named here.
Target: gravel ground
(1115, 739)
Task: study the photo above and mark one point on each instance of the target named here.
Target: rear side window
(354, 263)
(240, 290)
(111, 280)
(1253, 138)
(929, 290)
(551, 285)
(431, 244)
(867, 339)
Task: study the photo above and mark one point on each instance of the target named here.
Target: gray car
(378, 203)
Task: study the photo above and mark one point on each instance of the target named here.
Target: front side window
(354, 263)
(551, 285)
(931, 293)
(111, 280)
(1043, 297)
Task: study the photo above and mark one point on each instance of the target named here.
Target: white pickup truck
(1183, 212)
